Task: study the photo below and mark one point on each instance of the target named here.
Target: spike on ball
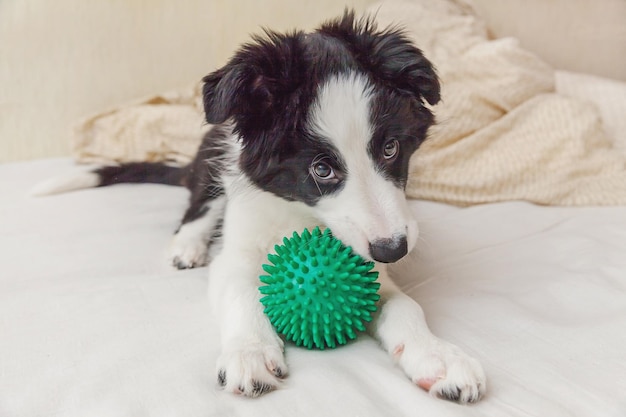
(318, 293)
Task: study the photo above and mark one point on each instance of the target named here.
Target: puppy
(309, 129)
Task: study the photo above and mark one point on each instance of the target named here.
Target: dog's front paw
(188, 251)
(251, 370)
(442, 369)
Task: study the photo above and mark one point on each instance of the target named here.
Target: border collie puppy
(311, 129)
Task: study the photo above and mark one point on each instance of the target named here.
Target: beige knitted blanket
(502, 133)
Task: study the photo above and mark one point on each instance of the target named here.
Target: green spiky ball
(318, 292)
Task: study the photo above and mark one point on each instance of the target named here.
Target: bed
(94, 321)
(530, 280)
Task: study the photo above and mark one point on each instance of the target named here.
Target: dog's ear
(219, 95)
(258, 78)
(389, 55)
(395, 59)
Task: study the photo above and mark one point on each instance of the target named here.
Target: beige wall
(587, 36)
(61, 60)
(64, 59)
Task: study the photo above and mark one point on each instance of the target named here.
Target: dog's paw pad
(188, 253)
(185, 263)
(426, 383)
(251, 371)
(444, 371)
(465, 393)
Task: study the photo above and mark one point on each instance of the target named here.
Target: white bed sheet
(93, 322)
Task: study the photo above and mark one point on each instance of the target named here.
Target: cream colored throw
(502, 133)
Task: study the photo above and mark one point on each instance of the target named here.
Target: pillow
(608, 95)
(162, 128)
(503, 132)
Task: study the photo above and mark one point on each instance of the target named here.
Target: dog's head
(331, 119)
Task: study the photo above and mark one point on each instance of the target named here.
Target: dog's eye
(390, 149)
(323, 171)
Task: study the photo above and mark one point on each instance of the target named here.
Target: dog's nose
(389, 250)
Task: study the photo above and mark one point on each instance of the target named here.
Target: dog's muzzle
(389, 250)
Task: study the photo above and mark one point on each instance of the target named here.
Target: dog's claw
(221, 378)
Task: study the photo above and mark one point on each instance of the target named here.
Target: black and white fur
(310, 129)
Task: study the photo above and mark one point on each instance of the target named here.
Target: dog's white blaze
(369, 207)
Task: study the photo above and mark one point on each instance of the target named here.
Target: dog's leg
(190, 246)
(436, 366)
(251, 362)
